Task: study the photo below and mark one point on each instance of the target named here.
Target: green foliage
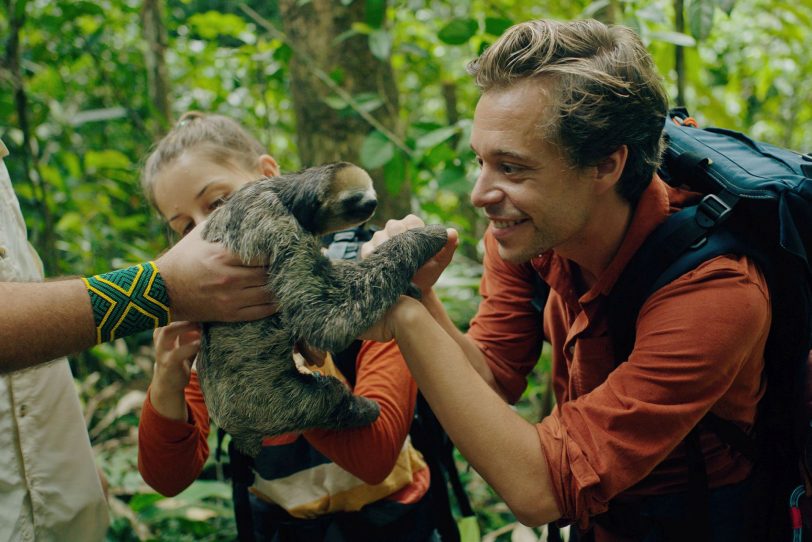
(90, 123)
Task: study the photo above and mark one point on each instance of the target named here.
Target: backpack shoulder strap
(677, 246)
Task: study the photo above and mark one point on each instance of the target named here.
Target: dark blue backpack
(758, 203)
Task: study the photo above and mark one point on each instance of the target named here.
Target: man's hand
(386, 328)
(427, 275)
(208, 283)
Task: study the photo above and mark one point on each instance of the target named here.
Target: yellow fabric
(328, 488)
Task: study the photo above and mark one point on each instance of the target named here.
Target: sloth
(250, 382)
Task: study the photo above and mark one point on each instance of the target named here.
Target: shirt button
(23, 410)
(572, 349)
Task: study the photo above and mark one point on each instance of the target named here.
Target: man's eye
(510, 168)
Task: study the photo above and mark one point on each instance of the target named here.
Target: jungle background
(87, 87)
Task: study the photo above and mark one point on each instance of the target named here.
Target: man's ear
(268, 165)
(609, 170)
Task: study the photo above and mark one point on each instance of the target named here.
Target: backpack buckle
(711, 211)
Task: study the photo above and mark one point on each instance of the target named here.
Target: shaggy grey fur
(249, 380)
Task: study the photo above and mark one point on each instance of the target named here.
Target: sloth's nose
(362, 203)
(368, 205)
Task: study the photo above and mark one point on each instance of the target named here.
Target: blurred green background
(87, 87)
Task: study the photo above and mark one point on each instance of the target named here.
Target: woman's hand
(176, 346)
(426, 276)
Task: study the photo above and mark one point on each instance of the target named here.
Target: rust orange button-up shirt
(618, 428)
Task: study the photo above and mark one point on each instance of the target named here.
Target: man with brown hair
(568, 135)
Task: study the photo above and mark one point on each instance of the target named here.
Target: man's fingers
(243, 276)
(391, 229)
(253, 312)
(394, 227)
(413, 221)
(446, 253)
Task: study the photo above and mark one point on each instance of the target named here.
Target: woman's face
(193, 186)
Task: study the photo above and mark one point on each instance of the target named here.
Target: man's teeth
(499, 224)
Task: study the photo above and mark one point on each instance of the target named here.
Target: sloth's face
(329, 198)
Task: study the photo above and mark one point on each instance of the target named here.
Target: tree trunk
(325, 134)
(679, 51)
(43, 239)
(154, 59)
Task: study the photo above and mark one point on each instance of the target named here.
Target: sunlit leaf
(376, 150)
(593, 8)
(726, 5)
(211, 24)
(109, 158)
(70, 222)
(436, 137)
(700, 18)
(676, 38)
(380, 44)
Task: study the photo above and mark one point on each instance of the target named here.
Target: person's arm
(498, 442)
(505, 315)
(425, 279)
(472, 352)
(172, 452)
(44, 320)
(370, 452)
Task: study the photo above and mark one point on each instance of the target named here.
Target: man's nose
(485, 191)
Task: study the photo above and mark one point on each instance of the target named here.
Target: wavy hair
(605, 91)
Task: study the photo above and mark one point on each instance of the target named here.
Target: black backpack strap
(345, 361)
(430, 438)
(678, 245)
(682, 243)
(242, 478)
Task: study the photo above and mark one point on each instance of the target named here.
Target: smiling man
(568, 135)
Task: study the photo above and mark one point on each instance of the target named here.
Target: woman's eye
(187, 228)
(217, 203)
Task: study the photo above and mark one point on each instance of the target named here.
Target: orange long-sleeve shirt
(171, 453)
(618, 428)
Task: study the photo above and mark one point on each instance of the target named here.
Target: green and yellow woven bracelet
(128, 301)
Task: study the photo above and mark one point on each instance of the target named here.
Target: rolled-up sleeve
(506, 327)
